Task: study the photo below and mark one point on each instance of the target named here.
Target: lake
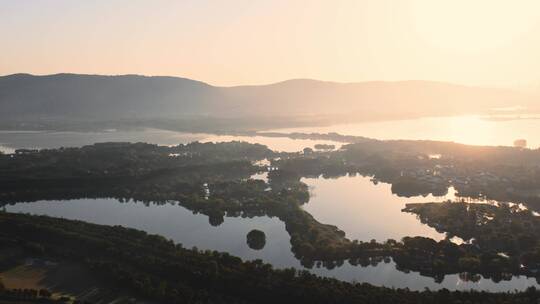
(366, 211)
(362, 209)
(473, 130)
(357, 206)
(11, 140)
(176, 223)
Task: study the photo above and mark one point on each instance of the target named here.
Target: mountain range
(77, 96)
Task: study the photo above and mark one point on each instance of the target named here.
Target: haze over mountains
(131, 96)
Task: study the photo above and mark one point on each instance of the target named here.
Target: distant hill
(93, 96)
(131, 96)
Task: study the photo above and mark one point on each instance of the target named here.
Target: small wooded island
(151, 267)
(213, 179)
(256, 239)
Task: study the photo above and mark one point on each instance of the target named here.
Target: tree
(469, 263)
(256, 239)
(215, 219)
(2, 286)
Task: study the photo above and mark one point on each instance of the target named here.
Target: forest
(154, 268)
(184, 174)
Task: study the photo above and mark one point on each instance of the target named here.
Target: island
(214, 180)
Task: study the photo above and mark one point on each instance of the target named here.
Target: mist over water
(353, 140)
(354, 204)
(9, 141)
(472, 130)
(365, 211)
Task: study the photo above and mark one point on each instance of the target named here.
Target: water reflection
(474, 130)
(181, 225)
(176, 223)
(11, 140)
(365, 211)
(16, 139)
(385, 274)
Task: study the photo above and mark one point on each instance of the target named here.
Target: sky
(236, 42)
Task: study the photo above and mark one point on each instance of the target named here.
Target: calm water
(11, 140)
(176, 223)
(366, 211)
(354, 204)
(474, 130)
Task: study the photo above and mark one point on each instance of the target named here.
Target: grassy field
(62, 279)
(24, 277)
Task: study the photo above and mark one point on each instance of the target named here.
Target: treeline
(501, 238)
(120, 160)
(212, 179)
(157, 269)
(30, 296)
(231, 193)
(26, 295)
(428, 167)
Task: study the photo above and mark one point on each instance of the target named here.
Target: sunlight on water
(9, 141)
(365, 211)
(281, 144)
(176, 223)
(181, 225)
(474, 130)
(352, 203)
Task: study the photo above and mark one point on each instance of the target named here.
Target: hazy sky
(250, 42)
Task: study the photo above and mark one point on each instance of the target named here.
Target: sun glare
(474, 26)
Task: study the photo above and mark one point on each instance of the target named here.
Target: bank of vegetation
(157, 269)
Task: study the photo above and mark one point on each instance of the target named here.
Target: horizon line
(261, 84)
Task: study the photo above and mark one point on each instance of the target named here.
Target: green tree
(469, 263)
(256, 239)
